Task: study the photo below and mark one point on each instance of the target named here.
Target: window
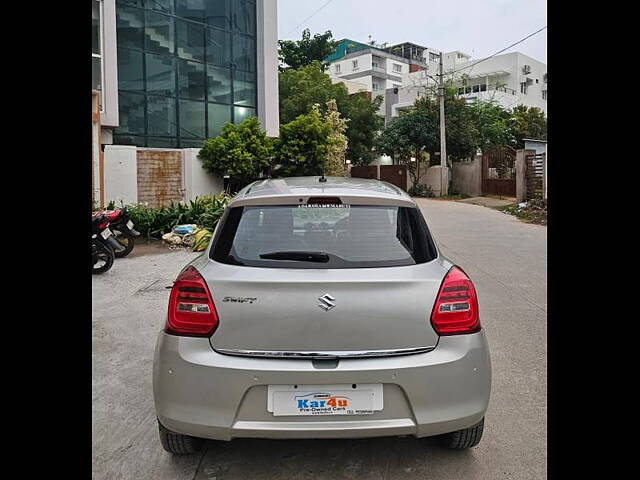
(397, 67)
(243, 16)
(483, 87)
(244, 52)
(130, 70)
(461, 91)
(219, 84)
(434, 57)
(244, 89)
(218, 47)
(130, 27)
(191, 80)
(217, 116)
(242, 113)
(158, 33)
(190, 40)
(96, 46)
(544, 94)
(160, 74)
(337, 68)
(162, 116)
(523, 87)
(354, 64)
(131, 108)
(192, 119)
(185, 68)
(357, 237)
(476, 88)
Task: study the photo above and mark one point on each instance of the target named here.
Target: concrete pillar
(120, 174)
(198, 181)
(433, 179)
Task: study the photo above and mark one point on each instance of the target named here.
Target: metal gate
(499, 172)
(368, 171)
(394, 174)
(534, 175)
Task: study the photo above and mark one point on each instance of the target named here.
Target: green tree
(460, 129)
(528, 122)
(301, 53)
(300, 89)
(303, 145)
(411, 135)
(241, 151)
(492, 125)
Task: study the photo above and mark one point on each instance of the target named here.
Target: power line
(294, 28)
(497, 53)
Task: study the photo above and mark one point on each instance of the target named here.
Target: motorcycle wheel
(106, 257)
(125, 238)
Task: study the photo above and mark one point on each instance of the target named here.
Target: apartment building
(379, 67)
(510, 79)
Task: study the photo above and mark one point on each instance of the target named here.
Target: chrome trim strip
(322, 355)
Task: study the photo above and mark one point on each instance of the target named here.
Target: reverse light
(456, 309)
(191, 310)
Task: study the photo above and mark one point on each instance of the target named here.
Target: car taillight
(191, 309)
(456, 308)
(103, 225)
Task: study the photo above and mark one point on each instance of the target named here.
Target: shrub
(204, 211)
(241, 151)
(421, 190)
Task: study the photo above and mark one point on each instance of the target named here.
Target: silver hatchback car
(321, 309)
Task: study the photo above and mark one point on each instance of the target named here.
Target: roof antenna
(322, 179)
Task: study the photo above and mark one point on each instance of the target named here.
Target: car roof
(274, 191)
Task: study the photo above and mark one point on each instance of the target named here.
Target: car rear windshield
(323, 236)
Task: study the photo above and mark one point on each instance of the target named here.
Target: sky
(479, 28)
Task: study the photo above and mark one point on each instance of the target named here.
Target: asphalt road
(505, 258)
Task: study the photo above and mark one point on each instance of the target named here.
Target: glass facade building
(185, 68)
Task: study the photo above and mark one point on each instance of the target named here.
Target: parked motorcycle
(122, 227)
(103, 244)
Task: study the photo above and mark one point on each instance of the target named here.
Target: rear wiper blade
(320, 257)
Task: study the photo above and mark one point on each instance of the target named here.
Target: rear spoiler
(293, 199)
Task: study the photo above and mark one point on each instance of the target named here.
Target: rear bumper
(205, 394)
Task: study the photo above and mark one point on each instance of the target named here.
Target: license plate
(130, 224)
(339, 399)
(106, 233)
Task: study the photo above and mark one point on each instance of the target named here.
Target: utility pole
(443, 138)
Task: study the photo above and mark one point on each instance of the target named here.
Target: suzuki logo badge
(326, 302)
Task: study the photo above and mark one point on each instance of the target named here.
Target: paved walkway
(505, 258)
(489, 201)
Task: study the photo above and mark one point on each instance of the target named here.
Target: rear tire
(178, 444)
(105, 254)
(126, 239)
(466, 438)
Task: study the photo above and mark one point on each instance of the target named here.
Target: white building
(378, 67)
(510, 79)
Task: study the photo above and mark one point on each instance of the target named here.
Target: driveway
(505, 258)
